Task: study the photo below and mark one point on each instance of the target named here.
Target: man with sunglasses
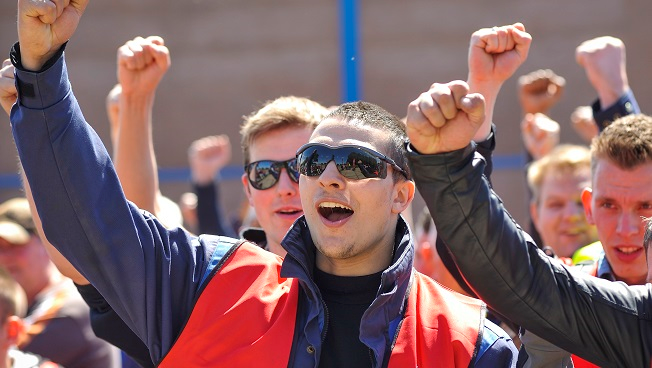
(345, 294)
(270, 139)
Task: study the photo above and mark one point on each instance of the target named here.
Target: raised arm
(494, 55)
(605, 64)
(142, 63)
(207, 156)
(539, 91)
(500, 262)
(148, 274)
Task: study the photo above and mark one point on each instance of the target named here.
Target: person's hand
(207, 156)
(540, 134)
(540, 90)
(445, 118)
(142, 62)
(45, 25)
(8, 93)
(584, 124)
(603, 59)
(494, 55)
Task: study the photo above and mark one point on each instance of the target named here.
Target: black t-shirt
(346, 298)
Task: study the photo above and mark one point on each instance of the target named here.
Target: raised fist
(584, 124)
(445, 118)
(142, 62)
(540, 90)
(540, 134)
(603, 59)
(207, 156)
(45, 25)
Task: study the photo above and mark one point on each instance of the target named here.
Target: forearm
(209, 215)
(511, 275)
(135, 161)
(207, 219)
(490, 90)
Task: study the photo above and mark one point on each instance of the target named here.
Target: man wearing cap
(57, 322)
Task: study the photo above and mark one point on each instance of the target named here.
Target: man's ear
(587, 198)
(403, 195)
(247, 190)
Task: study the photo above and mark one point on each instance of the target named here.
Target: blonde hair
(563, 159)
(287, 111)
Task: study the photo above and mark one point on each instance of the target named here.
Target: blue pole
(349, 50)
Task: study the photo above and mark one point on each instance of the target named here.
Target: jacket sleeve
(210, 217)
(604, 322)
(148, 274)
(605, 115)
(108, 326)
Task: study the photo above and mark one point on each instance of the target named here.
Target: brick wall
(230, 56)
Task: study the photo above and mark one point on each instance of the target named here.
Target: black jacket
(608, 323)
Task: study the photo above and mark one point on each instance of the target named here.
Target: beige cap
(16, 223)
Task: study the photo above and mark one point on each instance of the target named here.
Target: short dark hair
(376, 117)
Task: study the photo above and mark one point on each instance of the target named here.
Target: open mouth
(334, 211)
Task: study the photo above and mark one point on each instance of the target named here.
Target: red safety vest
(246, 314)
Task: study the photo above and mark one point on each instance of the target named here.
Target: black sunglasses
(353, 162)
(264, 174)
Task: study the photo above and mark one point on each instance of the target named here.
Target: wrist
(28, 63)
(34, 64)
(136, 98)
(489, 89)
(201, 177)
(609, 96)
(486, 85)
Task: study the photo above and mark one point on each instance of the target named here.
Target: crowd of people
(325, 267)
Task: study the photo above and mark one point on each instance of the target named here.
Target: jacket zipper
(321, 300)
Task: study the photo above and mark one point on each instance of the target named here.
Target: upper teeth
(333, 205)
(628, 249)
